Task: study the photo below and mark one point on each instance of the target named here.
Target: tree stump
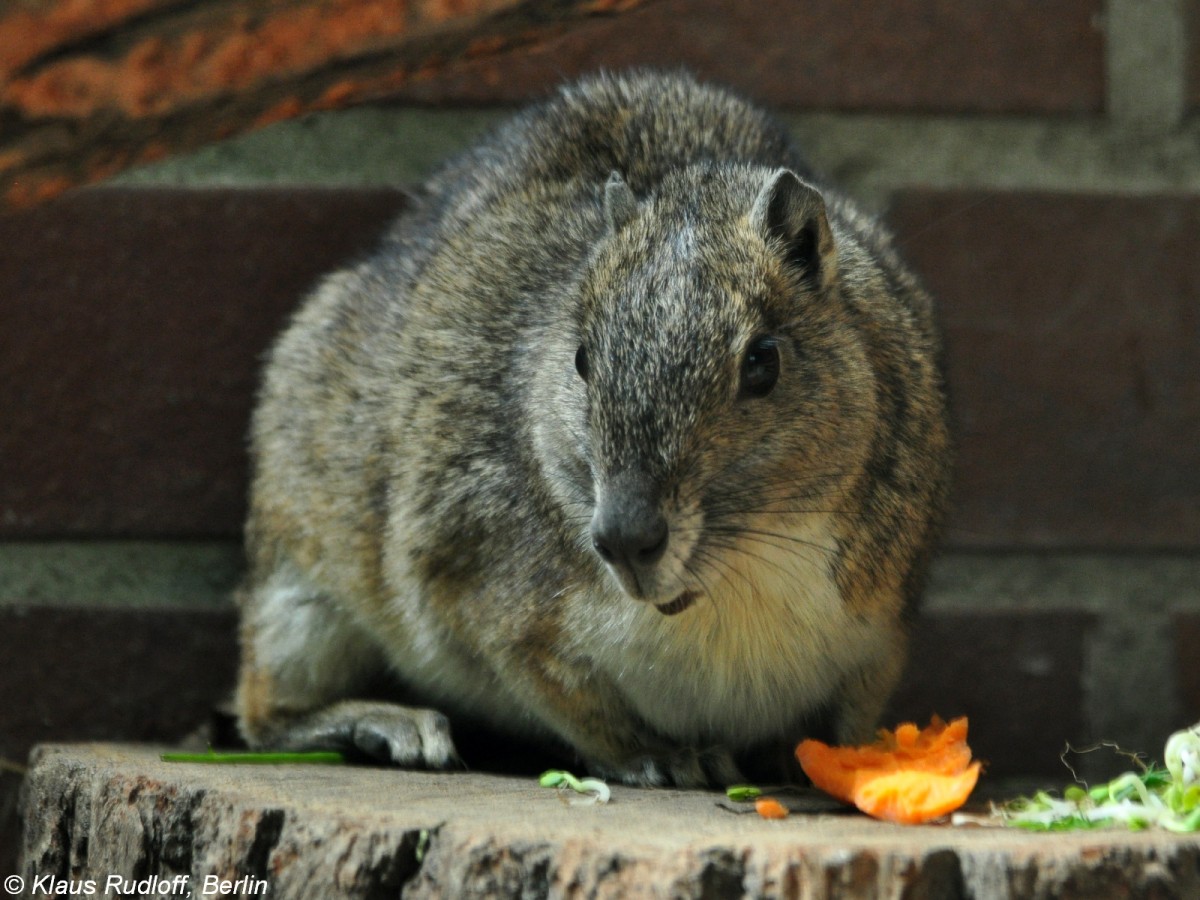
(101, 812)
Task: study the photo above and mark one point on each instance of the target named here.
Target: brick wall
(1040, 163)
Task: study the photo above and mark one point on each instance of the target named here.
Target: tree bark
(89, 87)
(127, 822)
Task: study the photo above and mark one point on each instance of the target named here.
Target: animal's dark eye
(581, 362)
(760, 368)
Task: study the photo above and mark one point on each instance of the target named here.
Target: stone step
(101, 812)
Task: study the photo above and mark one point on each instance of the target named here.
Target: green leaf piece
(319, 757)
(740, 793)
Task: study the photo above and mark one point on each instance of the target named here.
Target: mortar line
(1146, 54)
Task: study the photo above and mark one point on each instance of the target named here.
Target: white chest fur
(771, 641)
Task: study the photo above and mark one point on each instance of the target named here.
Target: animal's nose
(630, 542)
(629, 532)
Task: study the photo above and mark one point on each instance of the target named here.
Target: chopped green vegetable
(596, 791)
(422, 845)
(740, 793)
(251, 758)
(1167, 797)
(555, 778)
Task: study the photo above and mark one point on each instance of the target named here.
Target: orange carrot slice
(908, 775)
(913, 797)
(770, 808)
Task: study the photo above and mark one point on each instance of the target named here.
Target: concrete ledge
(94, 812)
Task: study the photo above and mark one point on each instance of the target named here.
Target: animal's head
(721, 392)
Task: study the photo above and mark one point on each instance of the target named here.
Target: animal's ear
(793, 213)
(619, 203)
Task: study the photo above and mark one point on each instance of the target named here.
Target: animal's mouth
(678, 605)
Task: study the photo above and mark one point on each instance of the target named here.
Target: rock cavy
(629, 436)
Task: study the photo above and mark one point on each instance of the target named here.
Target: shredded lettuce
(1165, 796)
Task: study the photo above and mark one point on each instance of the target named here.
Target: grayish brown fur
(431, 470)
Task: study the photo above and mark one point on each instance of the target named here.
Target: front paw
(385, 732)
(683, 768)
(405, 737)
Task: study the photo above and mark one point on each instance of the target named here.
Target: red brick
(1192, 11)
(10, 823)
(1016, 675)
(135, 320)
(133, 326)
(111, 674)
(1187, 663)
(105, 674)
(918, 55)
(1074, 344)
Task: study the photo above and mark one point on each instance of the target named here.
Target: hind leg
(302, 661)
